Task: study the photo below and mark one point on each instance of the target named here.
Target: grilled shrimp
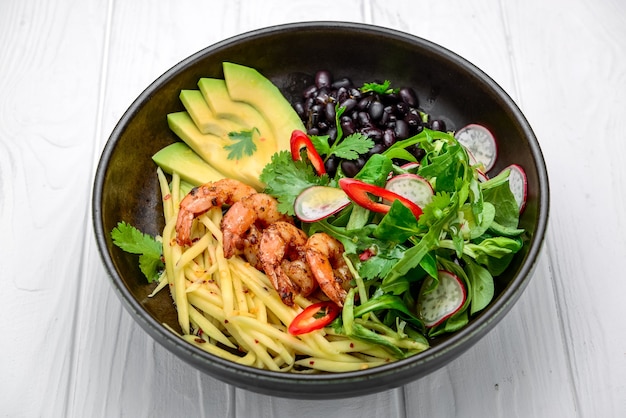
(245, 220)
(324, 254)
(281, 252)
(202, 198)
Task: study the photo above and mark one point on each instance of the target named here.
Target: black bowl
(449, 87)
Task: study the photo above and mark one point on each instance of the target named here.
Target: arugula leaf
(482, 285)
(285, 179)
(388, 302)
(133, 241)
(398, 224)
(243, 144)
(375, 170)
(507, 210)
(495, 253)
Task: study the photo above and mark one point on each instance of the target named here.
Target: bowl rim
(263, 380)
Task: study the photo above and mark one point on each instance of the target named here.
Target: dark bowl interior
(448, 86)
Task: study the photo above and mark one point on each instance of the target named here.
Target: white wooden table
(68, 71)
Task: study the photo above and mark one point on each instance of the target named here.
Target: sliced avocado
(216, 96)
(247, 85)
(179, 158)
(203, 116)
(211, 148)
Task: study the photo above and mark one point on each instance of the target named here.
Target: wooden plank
(47, 107)
(574, 91)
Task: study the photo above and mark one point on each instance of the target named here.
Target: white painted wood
(70, 69)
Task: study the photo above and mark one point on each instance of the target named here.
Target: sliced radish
(411, 167)
(518, 184)
(480, 142)
(319, 202)
(415, 188)
(480, 168)
(443, 301)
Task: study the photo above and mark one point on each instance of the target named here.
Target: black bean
(317, 108)
(309, 91)
(414, 120)
(344, 82)
(329, 111)
(349, 104)
(438, 125)
(355, 93)
(363, 119)
(389, 137)
(347, 125)
(402, 108)
(308, 103)
(350, 168)
(323, 78)
(323, 96)
(332, 133)
(331, 165)
(299, 108)
(408, 96)
(376, 110)
(376, 149)
(390, 98)
(313, 131)
(372, 132)
(322, 125)
(417, 152)
(402, 129)
(364, 103)
(342, 94)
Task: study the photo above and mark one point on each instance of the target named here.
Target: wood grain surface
(69, 70)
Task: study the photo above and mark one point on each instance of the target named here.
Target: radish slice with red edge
(439, 304)
(479, 166)
(411, 167)
(518, 185)
(480, 142)
(415, 188)
(319, 202)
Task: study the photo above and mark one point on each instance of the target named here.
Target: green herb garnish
(243, 144)
(133, 241)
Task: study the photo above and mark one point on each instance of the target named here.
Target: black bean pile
(385, 118)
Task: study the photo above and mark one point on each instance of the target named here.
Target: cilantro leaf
(352, 146)
(285, 179)
(133, 241)
(243, 144)
(320, 142)
(380, 88)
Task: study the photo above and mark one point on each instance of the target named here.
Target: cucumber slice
(319, 202)
(480, 142)
(436, 305)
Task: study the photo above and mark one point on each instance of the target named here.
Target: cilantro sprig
(380, 88)
(133, 241)
(286, 179)
(346, 148)
(243, 144)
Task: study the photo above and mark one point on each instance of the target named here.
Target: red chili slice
(315, 316)
(301, 140)
(360, 191)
